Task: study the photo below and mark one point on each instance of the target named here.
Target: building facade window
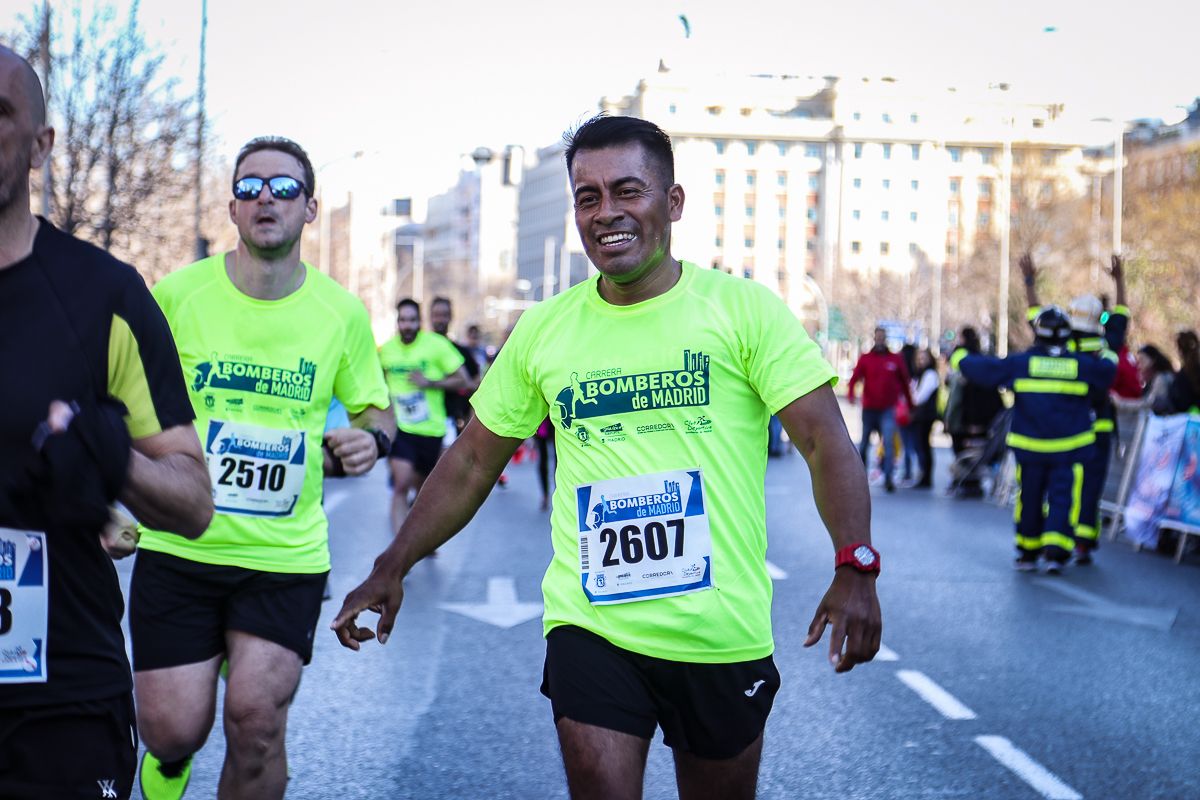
(915, 184)
(858, 183)
(954, 186)
(720, 177)
(720, 145)
(955, 154)
(782, 147)
(812, 214)
(856, 247)
(887, 150)
(858, 149)
(781, 178)
(986, 154)
(913, 118)
(985, 188)
(782, 212)
(915, 149)
(751, 178)
(856, 214)
(912, 216)
(887, 117)
(671, 108)
(887, 183)
(749, 241)
(814, 182)
(884, 248)
(857, 115)
(751, 148)
(985, 219)
(720, 210)
(812, 149)
(912, 248)
(884, 216)
(749, 211)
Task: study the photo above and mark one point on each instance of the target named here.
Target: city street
(992, 684)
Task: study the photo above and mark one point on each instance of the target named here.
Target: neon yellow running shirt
(660, 413)
(261, 375)
(419, 411)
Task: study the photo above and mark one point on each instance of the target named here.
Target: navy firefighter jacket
(1052, 413)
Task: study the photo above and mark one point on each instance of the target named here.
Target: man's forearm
(840, 488)
(171, 493)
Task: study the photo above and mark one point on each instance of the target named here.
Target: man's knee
(254, 728)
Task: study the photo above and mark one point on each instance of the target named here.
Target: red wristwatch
(860, 555)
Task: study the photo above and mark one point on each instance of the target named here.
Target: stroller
(981, 456)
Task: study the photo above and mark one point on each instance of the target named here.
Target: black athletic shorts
(79, 750)
(180, 610)
(420, 451)
(712, 711)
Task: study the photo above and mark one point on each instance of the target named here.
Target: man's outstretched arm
(451, 495)
(814, 423)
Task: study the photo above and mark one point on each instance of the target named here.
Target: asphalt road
(992, 684)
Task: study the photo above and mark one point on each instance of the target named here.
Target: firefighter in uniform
(1051, 433)
(1098, 341)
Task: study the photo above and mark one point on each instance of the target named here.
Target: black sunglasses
(283, 187)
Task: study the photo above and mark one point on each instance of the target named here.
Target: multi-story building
(549, 255)
(793, 181)
(1163, 156)
(469, 235)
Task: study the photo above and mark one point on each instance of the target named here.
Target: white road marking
(1094, 605)
(502, 608)
(886, 654)
(775, 572)
(1041, 779)
(946, 704)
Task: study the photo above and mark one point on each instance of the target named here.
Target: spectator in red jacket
(885, 381)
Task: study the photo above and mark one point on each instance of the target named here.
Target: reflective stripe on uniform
(1048, 386)
(1076, 493)
(1103, 426)
(1019, 504)
(1055, 539)
(1022, 442)
(1087, 533)
(1028, 542)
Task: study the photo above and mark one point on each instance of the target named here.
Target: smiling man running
(657, 599)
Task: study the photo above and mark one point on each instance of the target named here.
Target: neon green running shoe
(224, 670)
(156, 786)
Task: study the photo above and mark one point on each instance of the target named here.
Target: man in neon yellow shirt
(419, 366)
(660, 377)
(265, 342)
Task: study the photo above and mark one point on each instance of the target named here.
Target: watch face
(864, 555)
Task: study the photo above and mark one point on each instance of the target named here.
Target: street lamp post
(418, 263)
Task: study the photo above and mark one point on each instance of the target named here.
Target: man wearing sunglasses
(93, 409)
(265, 342)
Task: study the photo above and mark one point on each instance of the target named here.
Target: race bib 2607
(644, 537)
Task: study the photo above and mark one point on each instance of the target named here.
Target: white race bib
(24, 578)
(644, 537)
(254, 471)
(411, 408)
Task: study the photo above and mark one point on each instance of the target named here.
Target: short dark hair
(408, 301)
(282, 145)
(603, 131)
(443, 300)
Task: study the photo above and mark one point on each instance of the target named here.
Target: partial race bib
(255, 471)
(411, 408)
(24, 576)
(644, 537)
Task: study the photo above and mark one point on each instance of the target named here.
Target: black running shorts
(180, 610)
(712, 711)
(80, 750)
(420, 451)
